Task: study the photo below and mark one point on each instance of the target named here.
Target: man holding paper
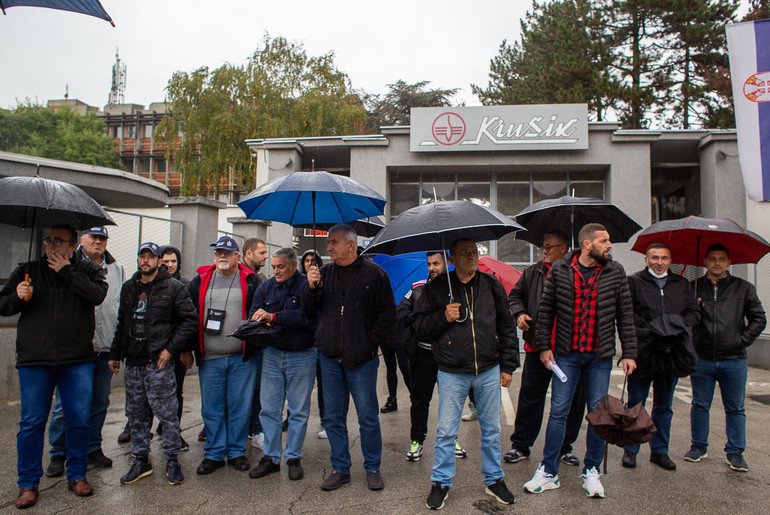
(586, 296)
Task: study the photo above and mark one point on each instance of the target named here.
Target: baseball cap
(152, 247)
(226, 243)
(97, 231)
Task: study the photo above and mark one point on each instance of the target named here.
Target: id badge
(214, 321)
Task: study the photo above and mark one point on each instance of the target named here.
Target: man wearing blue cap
(156, 321)
(227, 368)
(93, 248)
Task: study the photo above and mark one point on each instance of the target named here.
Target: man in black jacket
(353, 303)
(585, 298)
(524, 301)
(56, 296)
(655, 292)
(731, 319)
(156, 321)
(475, 346)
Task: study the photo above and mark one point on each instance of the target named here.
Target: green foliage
(279, 92)
(394, 107)
(38, 131)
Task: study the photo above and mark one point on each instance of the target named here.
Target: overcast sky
(448, 43)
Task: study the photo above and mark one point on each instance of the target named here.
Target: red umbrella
(503, 271)
(690, 237)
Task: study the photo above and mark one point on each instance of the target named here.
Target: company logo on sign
(448, 128)
(525, 127)
(757, 87)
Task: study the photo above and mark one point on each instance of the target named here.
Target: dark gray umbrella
(570, 214)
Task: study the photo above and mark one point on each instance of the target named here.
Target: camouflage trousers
(150, 391)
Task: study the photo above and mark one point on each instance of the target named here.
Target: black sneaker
(202, 435)
(174, 473)
(499, 491)
(570, 459)
(695, 454)
(514, 456)
(663, 461)
(295, 469)
(437, 496)
(208, 466)
(241, 463)
(55, 467)
(390, 405)
(737, 462)
(185, 445)
(98, 459)
(374, 480)
(629, 460)
(125, 436)
(265, 467)
(137, 471)
(335, 480)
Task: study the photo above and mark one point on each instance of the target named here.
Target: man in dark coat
(585, 298)
(655, 292)
(56, 296)
(732, 318)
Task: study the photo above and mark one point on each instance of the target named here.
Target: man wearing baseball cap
(227, 368)
(93, 248)
(156, 321)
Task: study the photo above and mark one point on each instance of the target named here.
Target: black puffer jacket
(486, 339)
(525, 297)
(171, 317)
(731, 318)
(56, 326)
(614, 308)
(351, 329)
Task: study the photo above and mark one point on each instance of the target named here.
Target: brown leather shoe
(27, 497)
(81, 487)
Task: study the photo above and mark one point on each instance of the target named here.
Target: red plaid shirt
(584, 337)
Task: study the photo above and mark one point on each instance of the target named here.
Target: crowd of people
(82, 319)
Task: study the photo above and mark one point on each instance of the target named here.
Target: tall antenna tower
(118, 82)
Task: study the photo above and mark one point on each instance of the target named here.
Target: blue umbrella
(89, 7)
(404, 270)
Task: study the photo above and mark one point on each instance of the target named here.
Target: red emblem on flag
(448, 129)
(757, 87)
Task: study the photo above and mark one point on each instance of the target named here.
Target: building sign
(308, 233)
(520, 127)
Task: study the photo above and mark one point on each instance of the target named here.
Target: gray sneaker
(695, 454)
(737, 462)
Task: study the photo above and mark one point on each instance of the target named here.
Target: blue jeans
(452, 391)
(289, 376)
(340, 382)
(99, 405)
(227, 388)
(36, 386)
(255, 426)
(596, 375)
(731, 374)
(662, 400)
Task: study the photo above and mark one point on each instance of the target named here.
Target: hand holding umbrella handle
(28, 280)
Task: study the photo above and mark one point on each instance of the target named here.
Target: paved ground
(706, 487)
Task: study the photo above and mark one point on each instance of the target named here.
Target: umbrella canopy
(258, 334)
(89, 7)
(503, 271)
(308, 198)
(434, 226)
(38, 202)
(570, 214)
(403, 271)
(365, 227)
(690, 237)
(618, 425)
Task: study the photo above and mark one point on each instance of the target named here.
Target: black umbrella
(570, 214)
(434, 226)
(367, 227)
(258, 334)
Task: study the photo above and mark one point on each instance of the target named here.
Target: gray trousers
(148, 388)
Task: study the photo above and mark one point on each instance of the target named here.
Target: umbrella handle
(29, 295)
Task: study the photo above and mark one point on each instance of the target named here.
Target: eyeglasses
(56, 242)
(223, 252)
(549, 248)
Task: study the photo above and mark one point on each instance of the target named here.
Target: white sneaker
(322, 434)
(258, 440)
(591, 483)
(471, 414)
(541, 482)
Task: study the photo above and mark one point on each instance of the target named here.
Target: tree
(563, 57)
(280, 91)
(758, 10)
(38, 131)
(394, 107)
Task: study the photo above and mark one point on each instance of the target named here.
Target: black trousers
(535, 379)
(391, 356)
(424, 372)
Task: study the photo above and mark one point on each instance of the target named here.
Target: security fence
(134, 229)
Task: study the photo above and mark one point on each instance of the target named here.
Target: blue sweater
(296, 329)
